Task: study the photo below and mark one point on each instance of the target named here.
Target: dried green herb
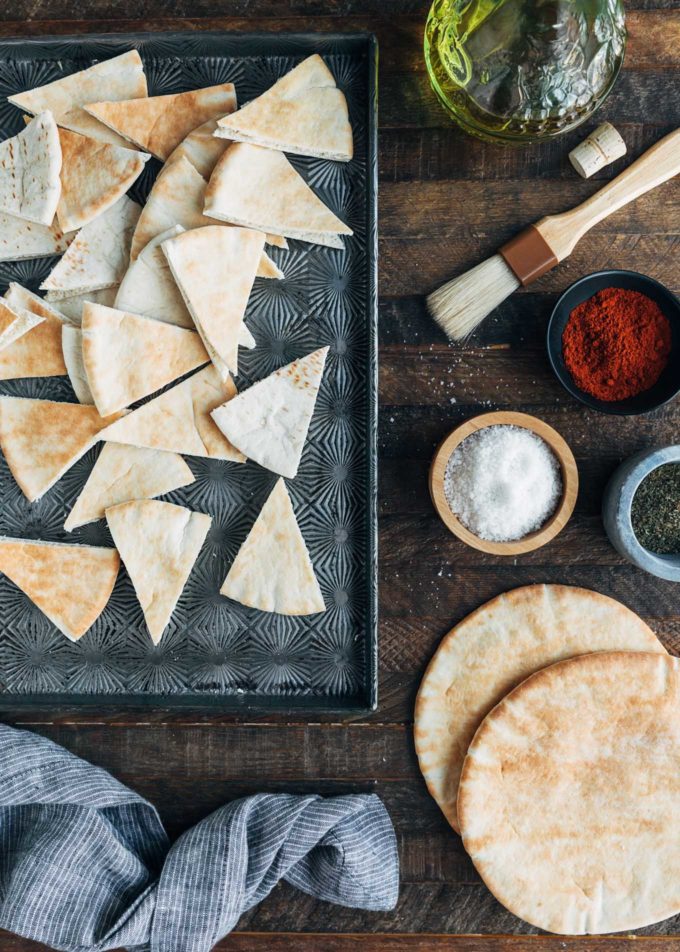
(655, 512)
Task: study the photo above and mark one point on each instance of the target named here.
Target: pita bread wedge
(71, 305)
(18, 296)
(94, 176)
(15, 322)
(35, 350)
(215, 269)
(158, 124)
(272, 570)
(201, 148)
(158, 543)
(21, 239)
(70, 584)
(148, 287)
(127, 357)
(259, 188)
(119, 78)
(179, 420)
(269, 421)
(491, 651)
(98, 256)
(30, 163)
(42, 439)
(303, 113)
(569, 799)
(122, 473)
(72, 347)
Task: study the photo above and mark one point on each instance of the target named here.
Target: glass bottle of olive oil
(523, 70)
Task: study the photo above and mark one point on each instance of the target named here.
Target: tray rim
(365, 700)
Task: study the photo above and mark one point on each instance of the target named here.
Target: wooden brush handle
(657, 165)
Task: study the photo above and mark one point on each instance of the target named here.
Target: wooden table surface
(446, 202)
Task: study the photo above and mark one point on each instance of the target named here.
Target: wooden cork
(601, 148)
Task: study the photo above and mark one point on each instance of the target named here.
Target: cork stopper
(601, 148)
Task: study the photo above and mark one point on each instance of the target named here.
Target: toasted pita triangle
(71, 305)
(42, 439)
(30, 163)
(127, 357)
(122, 473)
(35, 350)
(70, 584)
(179, 420)
(269, 421)
(158, 543)
(99, 254)
(272, 570)
(119, 78)
(215, 269)
(72, 347)
(304, 113)
(259, 188)
(21, 239)
(158, 124)
(94, 176)
(18, 296)
(15, 322)
(201, 148)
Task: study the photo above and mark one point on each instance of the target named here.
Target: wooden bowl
(550, 528)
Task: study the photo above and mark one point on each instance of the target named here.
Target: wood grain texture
(446, 202)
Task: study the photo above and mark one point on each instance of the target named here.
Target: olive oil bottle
(523, 70)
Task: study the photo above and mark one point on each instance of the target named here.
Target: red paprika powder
(616, 344)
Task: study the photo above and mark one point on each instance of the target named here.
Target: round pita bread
(492, 651)
(569, 800)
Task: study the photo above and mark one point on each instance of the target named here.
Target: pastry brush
(462, 304)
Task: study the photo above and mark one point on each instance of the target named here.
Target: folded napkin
(86, 865)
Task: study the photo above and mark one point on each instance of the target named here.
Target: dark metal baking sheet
(217, 654)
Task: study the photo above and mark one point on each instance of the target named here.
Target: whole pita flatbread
(259, 188)
(70, 584)
(158, 124)
(269, 421)
(42, 439)
(30, 163)
(94, 176)
(179, 420)
(569, 800)
(99, 254)
(272, 570)
(215, 270)
(71, 305)
(21, 239)
(127, 357)
(158, 543)
(494, 649)
(122, 473)
(72, 348)
(304, 113)
(121, 77)
(35, 350)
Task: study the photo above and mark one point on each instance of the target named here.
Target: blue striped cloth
(85, 863)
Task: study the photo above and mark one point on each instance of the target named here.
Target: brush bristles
(462, 304)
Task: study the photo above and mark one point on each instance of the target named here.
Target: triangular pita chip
(269, 421)
(259, 188)
(21, 239)
(148, 287)
(36, 348)
(127, 357)
(70, 584)
(18, 296)
(158, 543)
(72, 347)
(158, 124)
(272, 570)
(42, 439)
(122, 473)
(15, 322)
(119, 78)
(179, 420)
(304, 113)
(94, 176)
(215, 269)
(99, 254)
(201, 148)
(71, 305)
(30, 163)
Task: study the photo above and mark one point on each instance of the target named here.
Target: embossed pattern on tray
(215, 652)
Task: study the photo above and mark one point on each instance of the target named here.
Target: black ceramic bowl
(668, 384)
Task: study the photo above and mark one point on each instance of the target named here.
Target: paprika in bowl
(614, 342)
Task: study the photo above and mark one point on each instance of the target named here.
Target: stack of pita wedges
(547, 727)
(145, 313)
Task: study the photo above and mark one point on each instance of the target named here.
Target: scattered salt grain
(503, 482)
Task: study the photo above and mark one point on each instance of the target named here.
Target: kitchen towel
(85, 864)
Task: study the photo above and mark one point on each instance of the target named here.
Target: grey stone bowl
(616, 506)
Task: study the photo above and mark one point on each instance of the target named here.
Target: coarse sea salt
(503, 482)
